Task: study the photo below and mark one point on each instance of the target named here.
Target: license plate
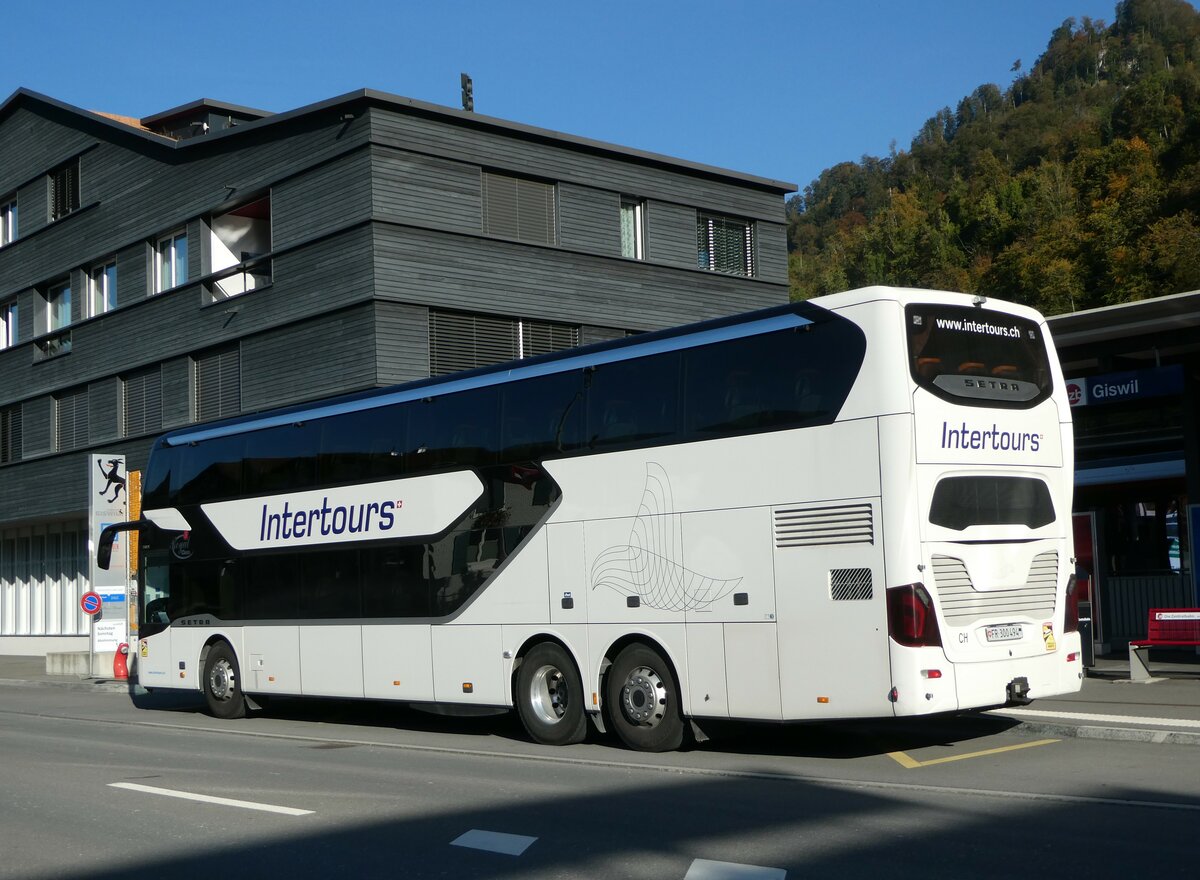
(1005, 633)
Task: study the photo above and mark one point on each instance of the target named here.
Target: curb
(1116, 734)
(93, 686)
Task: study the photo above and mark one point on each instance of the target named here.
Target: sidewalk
(1108, 706)
(31, 672)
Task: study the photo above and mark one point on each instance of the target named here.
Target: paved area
(1108, 706)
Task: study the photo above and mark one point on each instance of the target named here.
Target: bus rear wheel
(550, 696)
(643, 700)
(223, 683)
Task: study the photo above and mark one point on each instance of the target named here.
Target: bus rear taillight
(911, 621)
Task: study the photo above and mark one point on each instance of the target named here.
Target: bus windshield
(970, 354)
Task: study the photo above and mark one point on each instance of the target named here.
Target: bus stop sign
(90, 603)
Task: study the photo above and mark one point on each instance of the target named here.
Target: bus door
(154, 657)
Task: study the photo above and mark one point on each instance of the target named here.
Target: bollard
(120, 664)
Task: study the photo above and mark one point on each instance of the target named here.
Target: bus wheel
(643, 700)
(222, 683)
(550, 696)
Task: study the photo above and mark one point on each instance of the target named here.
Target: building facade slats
(384, 223)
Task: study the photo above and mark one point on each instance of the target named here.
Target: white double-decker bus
(852, 507)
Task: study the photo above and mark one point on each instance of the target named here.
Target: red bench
(1166, 627)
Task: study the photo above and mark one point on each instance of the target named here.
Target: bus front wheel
(643, 700)
(550, 696)
(223, 683)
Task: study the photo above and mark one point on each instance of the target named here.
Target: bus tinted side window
(454, 430)
(331, 587)
(393, 581)
(281, 459)
(786, 379)
(363, 445)
(270, 587)
(156, 482)
(210, 470)
(542, 417)
(634, 401)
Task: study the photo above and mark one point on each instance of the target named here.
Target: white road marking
(495, 841)
(209, 799)
(1107, 719)
(703, 869)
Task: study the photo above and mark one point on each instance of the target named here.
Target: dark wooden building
(213, 259)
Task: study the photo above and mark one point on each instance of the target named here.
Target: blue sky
(779, 89)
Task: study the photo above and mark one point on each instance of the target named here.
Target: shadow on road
(825, 740)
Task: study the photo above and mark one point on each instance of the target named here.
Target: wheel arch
(531, 642)
(655, 644)
(209, 642)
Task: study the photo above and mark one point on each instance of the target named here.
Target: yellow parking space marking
(909, 763)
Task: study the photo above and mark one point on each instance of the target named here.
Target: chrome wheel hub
(548, 694)
(644, 697)
(221, 682)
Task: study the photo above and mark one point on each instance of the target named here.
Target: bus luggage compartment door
(730, 613)
(830, 593)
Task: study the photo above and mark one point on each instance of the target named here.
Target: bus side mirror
(108, 535)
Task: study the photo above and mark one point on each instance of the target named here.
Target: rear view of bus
(988, 616)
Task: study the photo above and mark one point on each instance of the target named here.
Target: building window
(64, 190)
(725, 244)
(10, 434)
(57, 321)
(8, 220)
(103, 288)
(218, 384)
(8, 324)
(71, 420)
(58, 306)
(239, 249)
(171, 261)
(633, 228)
(459, 341)
(519, 208)
(142, 408)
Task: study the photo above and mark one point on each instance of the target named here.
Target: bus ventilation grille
(815, 526)
(850, 584)
(963, 604)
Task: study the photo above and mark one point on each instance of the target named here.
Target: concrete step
(77, 663)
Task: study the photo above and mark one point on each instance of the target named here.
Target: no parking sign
(90, 603)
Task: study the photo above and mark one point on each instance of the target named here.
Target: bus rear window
(960, 502)
(977, 355)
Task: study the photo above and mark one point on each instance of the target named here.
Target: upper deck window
(976, 355)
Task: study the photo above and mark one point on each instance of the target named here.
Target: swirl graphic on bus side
(650, 566)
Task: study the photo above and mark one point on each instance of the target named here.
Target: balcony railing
(250, 274)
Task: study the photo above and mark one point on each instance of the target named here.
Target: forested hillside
(1077, 186)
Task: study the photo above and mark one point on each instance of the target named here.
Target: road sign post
(90, 603)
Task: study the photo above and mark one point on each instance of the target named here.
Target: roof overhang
(1145, 317)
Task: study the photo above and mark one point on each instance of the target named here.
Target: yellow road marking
(910, 763)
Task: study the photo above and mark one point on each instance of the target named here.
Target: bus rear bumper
(984, 684)
(998, 683)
